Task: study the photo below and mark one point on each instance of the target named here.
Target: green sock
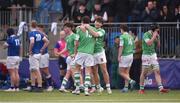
(64, 82)
(130, 81)
(87, 81)
(141, 87)
(77, 79)
(93, 86)
(160, 86)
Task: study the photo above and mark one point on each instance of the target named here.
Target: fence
(169, 32)
(169, 36)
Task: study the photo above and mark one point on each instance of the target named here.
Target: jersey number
(87, 34)
(17, 42)
(38, 37)
(130, 41)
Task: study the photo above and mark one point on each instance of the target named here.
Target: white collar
(13, 35)
(34, 29)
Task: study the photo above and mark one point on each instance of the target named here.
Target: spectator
(177, 13)
(166, 15)
(97, 11)
(55, 10)
(121, 9)
(4, 4)
(81, 13)
(107, 7)
(150, 14)
(66, 9)
(74, 6)
(24, 3)
(49, 11)
(113, 54)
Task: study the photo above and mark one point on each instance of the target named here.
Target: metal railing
(169, 36)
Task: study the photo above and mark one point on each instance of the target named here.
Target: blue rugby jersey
(38, 41)
(13, 45)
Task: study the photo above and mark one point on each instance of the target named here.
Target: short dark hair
(117, 37)
(10, 31)
(82, 4)
(33, 24)
(85, 20)
(99, 19)
(69, 24)
(124, 27)
(40, 26)
(154, 26)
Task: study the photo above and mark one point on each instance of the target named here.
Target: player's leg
(39, 79)
(95, 79)
(10, 64)
(33, 80)
(81, 80)
(48, 78)
(77, 74)
(65, 80)
(155, 66)
(159, 81)
(103, 67)
(89, 62)
(123, 73)
(125, 64)
(37, 72)
(126, 83)
(12, 79)
(44, 64)
(87, 81)
(146, 66)
(144, 72)
(79, 61)
(17, 80)
(62, 67)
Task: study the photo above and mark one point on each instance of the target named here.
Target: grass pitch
(151, 96)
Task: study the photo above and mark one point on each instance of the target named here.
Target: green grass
(57, 97)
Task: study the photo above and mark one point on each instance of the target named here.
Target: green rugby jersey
(148, 49)
(127, 41)
(70, 39)
(86, 41)
(99, 45)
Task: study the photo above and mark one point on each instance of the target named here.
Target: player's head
(98, 22)
(123, 28)
(62, 34)
(10, 31)
(116, 39)
(40, 27)
(133, 32)
(154, 27)
(68, 27)
(33, 24)
(85, 20)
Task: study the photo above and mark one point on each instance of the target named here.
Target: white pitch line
(102, 101)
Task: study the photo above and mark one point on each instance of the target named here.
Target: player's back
(86, 42)
(13, 45)
(128, 44)
(38, 41)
